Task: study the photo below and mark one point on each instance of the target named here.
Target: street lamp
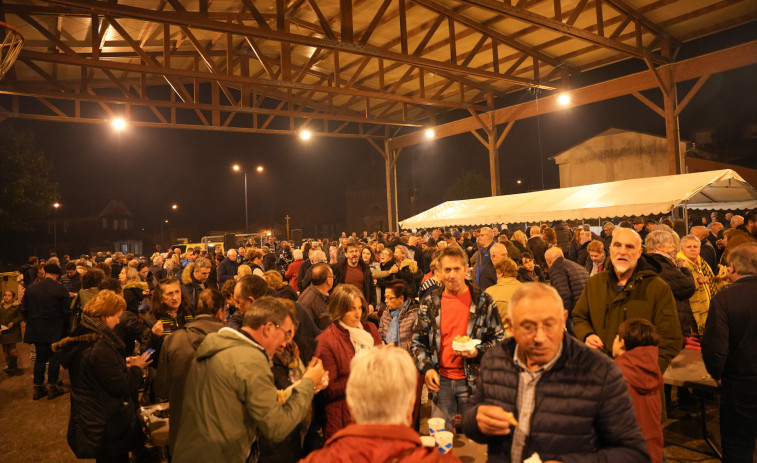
(56, 205)
(238, 168)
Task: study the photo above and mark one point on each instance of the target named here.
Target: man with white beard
(629, 288)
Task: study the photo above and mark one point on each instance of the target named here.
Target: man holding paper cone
(542, 392)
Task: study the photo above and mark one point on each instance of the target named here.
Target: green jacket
(601, 309)
(230, 398)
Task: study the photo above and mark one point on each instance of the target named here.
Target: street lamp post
(55, 228)
(238, 168)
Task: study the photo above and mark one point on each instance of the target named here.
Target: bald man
(629, 288)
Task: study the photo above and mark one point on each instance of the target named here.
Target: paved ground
(35, 431)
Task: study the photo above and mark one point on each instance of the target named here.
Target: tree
(26, 191)
(468, 185)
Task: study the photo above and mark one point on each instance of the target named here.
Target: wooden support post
(390, 166)
(494, 161)
(672, 132)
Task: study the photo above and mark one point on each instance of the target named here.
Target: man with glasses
(230, 396)
(544, 392)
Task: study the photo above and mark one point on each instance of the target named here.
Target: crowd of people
(322, 351)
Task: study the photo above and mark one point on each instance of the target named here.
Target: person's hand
(703, 280)
(468, 354)
(492, 420)
(317, 374)
(594, 341)
(432, 380)
(157, 328)
(10, 325)
(720, 244)
(138, 361)
(394, 269)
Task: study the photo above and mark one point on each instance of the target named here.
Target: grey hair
(657, 238)
(676, 238)
(533, 291)
(231, 252)
(744, 259)
(297, 254)
(202, 262)
(381, 386)
(317, 256)
(688, 238)
(403, 250)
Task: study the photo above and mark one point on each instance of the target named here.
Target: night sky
(151, 168)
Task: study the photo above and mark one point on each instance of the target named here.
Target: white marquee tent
(719, 189)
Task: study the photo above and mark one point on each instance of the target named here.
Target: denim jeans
(451, 399)
(45, 354)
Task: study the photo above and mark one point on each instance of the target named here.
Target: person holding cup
(380, 394)
(458, 309)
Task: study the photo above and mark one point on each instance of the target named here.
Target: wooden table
(688, 370)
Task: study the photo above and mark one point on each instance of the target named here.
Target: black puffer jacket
(681, 282)
(569, 279)
(103, 420)
(583, 411)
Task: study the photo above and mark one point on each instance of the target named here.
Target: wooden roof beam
(198, 21)
(565, 29)
(719, 61)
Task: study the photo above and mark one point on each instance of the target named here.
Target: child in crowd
(635, 352)
(10, 321)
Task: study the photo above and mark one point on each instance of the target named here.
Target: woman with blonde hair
(134, 288)
(243, 270)
(276, 282)
(103, 422)
(519, 240)
(347, 336)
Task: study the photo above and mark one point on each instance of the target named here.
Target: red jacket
(292, 271)
(336, 351)
(377, 443)
(644, 381)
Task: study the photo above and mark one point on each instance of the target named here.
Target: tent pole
(686, 216)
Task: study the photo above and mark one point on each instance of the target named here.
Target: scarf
(361, 340)
(96, 325)
(701, 267)
(290, 357)
(393, 333)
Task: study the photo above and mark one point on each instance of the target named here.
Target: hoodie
(644, 380)
(230, 398)
(176, 357)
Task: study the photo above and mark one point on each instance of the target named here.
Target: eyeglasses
(549, 327)
(288, 334)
